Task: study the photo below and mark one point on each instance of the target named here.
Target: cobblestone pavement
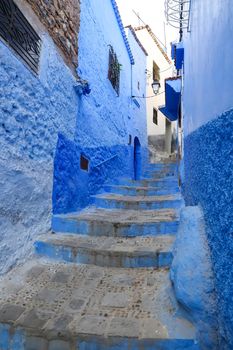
(66, 300)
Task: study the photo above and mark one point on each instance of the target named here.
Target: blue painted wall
(33, 109)
(105, 120)
(208, 144)
(45, 127)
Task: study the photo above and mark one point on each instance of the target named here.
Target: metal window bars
(177, 13)
(18, 33)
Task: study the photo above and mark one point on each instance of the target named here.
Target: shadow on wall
(73, 186)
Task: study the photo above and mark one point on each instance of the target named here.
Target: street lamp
(156, 86)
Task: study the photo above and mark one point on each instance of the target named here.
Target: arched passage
(137, 158)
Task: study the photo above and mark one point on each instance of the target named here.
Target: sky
(152, 13)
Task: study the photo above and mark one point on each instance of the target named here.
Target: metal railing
(177, 13)
(104, 161)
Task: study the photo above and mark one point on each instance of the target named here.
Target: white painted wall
(166, 70)
(208, 93)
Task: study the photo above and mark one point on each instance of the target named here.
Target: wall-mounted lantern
(156, 86)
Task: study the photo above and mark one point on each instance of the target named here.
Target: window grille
(17, 32)
(178, 13)
(114, 68)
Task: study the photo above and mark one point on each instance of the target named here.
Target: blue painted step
(140, 190)
(114, 201)
(156, 174)
(159, 166)
(162, 183)
(118, 223)
(136, 344)
(108, 252)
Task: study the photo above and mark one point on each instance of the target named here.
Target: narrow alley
(116, 175)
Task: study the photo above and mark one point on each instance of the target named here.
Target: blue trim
(119, 20)
(179, 56)
(172, 96)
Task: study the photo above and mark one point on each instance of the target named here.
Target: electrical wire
(148, 96)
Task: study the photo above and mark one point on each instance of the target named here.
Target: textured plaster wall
(192, 276)
(208, 150)
(45, 127)
(208, 181)
(105, 120)
(33, 109)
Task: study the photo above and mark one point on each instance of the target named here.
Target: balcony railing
(178, 13)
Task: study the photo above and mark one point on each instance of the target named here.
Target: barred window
(114, 68)
(18, 33)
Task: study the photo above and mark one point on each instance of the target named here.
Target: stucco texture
(105, 120)
(209, 182)
(45, 126)
(33, 109)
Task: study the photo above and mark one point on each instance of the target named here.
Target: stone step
(161, 165)
(118, 223)
(156, 174)
(116, 201)
(56, 306)
(162, 183)
(108, 251)
(140, 190)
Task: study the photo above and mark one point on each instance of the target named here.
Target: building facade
(208, 147)
(68, 122)
(159, 67)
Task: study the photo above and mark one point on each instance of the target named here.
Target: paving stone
(59, 345)
(35, 272)
(93, 325)
(153, 329)
(34, 319)
(122, 327)
(60, 277)
(48, 295)
(117, 300)
(11, 312)
(76, 304)
(36, 343)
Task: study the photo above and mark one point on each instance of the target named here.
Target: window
(114, 68)
(155, 116)
(19, 34)
(84, 163)
(156, 72)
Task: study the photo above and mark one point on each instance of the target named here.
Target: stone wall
(62, 20)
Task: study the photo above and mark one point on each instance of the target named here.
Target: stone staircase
(102, 281)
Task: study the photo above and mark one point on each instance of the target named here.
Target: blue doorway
(137, 159)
